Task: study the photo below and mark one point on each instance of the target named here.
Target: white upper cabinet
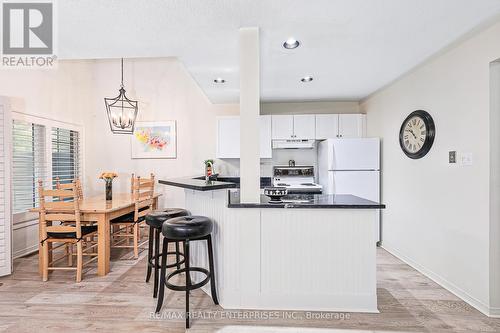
(266, 150)
(286, 127)
(352, 125)
(282, 127)
(228, 137)
(327, 126)
(304, 126)
(340, 126)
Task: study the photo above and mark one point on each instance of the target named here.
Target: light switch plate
(452, 156)
(466, 159)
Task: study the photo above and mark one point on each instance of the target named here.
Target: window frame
(48, 124)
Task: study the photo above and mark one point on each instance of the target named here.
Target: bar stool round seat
(155, 222)
(155, 219)
(187, 227)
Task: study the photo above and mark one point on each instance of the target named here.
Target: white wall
(437, 217)
(309, 107)
(165, 91)
(60, 94)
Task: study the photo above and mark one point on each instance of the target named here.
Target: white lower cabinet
(228, 137)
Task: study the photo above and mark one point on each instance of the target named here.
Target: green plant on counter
(208, 162)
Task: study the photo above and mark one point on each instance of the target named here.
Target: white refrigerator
(351, 166)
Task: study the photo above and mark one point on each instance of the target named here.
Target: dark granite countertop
(345, 201)
(199, 183)
(264, 181)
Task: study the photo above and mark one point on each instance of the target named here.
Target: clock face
(416, 135)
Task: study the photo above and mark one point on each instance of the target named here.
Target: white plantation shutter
(5, 206)
(42, 149)
(65, 154)
(28, 164)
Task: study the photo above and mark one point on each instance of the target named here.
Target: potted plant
(208, 169)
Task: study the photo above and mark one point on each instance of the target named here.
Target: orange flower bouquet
(108, 175)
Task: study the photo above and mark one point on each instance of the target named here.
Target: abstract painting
(156, 139)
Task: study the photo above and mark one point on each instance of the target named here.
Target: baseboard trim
(494, 312)
(25, 252)
(480, 306)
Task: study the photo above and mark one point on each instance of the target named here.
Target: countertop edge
(266, 205)
(201, 187)
(304, 206)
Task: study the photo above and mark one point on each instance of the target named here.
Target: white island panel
(288, 258)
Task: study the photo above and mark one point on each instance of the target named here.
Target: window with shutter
(28, 164)
(65, 154)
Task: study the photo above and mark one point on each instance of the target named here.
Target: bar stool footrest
(192, 286)
(175, 264)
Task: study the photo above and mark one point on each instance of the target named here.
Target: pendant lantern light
(122, 111)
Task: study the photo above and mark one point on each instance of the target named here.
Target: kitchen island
(313, 252)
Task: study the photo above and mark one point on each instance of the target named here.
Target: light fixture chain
(122, 73)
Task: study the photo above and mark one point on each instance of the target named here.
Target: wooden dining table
(96, 209)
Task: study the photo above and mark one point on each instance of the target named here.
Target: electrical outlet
(466, 159)
(452, 156)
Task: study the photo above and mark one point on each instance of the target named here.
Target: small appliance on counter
(296, 179)
(275, 193)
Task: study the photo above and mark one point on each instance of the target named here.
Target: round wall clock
(416, 135)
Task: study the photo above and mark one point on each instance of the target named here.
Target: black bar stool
(186, 229)
(155, 221)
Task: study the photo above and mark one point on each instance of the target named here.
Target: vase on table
(109, 189)
(108, 181)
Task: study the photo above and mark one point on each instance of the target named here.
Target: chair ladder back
(68, 186)
(59, 211)
(143, 196)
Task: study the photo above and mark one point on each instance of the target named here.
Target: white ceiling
(350, 47)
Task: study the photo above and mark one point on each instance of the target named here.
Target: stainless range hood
(293, 144)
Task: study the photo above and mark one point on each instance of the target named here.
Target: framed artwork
(154, 139)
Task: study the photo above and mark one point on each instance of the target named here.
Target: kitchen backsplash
(231, 167)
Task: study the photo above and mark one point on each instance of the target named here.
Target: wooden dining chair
(69, 185)
(129, 226)
(79, 190)
(62, 206)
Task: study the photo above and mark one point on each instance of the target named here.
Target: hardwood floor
(122, 302)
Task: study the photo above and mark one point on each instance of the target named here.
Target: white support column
(249, 114)
(494, 189)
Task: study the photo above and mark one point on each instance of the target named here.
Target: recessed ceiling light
(291, 43)
(306, 79)
(219, 80)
